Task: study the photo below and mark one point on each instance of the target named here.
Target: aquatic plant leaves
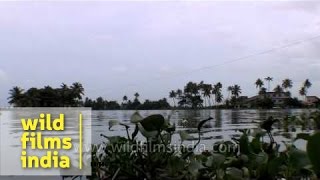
(275, 164)
(175, 165)
(313, 149)
(304, 136)
(135, 132)
(298, 158)
(256, 145)
(153, 122)
(244, 144)
(262, 158)
(234, 173)
(194, 167)
(136, 117)
(185, 136)
(215, 160)
(113, 123)
(203, 122)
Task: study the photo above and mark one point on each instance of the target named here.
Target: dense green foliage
(65, 96)
(101, 104)
(194, 95)
(255, 156)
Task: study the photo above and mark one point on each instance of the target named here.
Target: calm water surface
(224, 126)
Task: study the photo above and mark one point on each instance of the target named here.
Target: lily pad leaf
(136, 117)
(234, 173)
(313, 149)
(153, 122)
(304, 136)
(185, 136)
(203, 122)
(113, 123)
(194, 167)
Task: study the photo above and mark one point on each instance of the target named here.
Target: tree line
(64, 96)
(71, 96)
(192, 95)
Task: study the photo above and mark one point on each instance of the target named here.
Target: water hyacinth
(253, 157)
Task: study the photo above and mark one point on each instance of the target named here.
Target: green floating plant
(254, 155)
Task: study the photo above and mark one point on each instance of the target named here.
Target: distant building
(312, 101)
(278, 99)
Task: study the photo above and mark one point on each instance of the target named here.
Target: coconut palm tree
(236, 91)
(303, 92)
(77, 90)
(125, 99)
(304, 89)
(179, 92)
(263, 92)
(218, 97)
(216, 91)
(287, 84)
(66, 95)
(16, 95)
(278, 89)
(173, 96)
(206, 91)
(229, 89)
(268, 79)
(307, 84)
(259, 83)
(136, 95)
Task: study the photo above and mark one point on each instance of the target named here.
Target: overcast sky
(118, 48)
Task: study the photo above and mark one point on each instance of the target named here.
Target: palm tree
(219, 85)
(259, 83)
(216, 91)
(303, 91)
(136, 95)
(307, 84)
(263, 92)
(287, 84)
(77, 90)
(66, 97)
(278, 89)
(229, 89)
(125, 98)
(218, 97)
(179, 92)
(268, 79)
(173, 95)
(16, 94)
(206, 92)
(236, 90)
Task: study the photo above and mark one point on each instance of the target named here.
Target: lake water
(224, 126)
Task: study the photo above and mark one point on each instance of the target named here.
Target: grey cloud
(155, 46)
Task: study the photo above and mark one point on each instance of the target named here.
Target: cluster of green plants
(257, 154)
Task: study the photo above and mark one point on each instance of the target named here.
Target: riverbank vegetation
(257, 155)
(192, 96)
